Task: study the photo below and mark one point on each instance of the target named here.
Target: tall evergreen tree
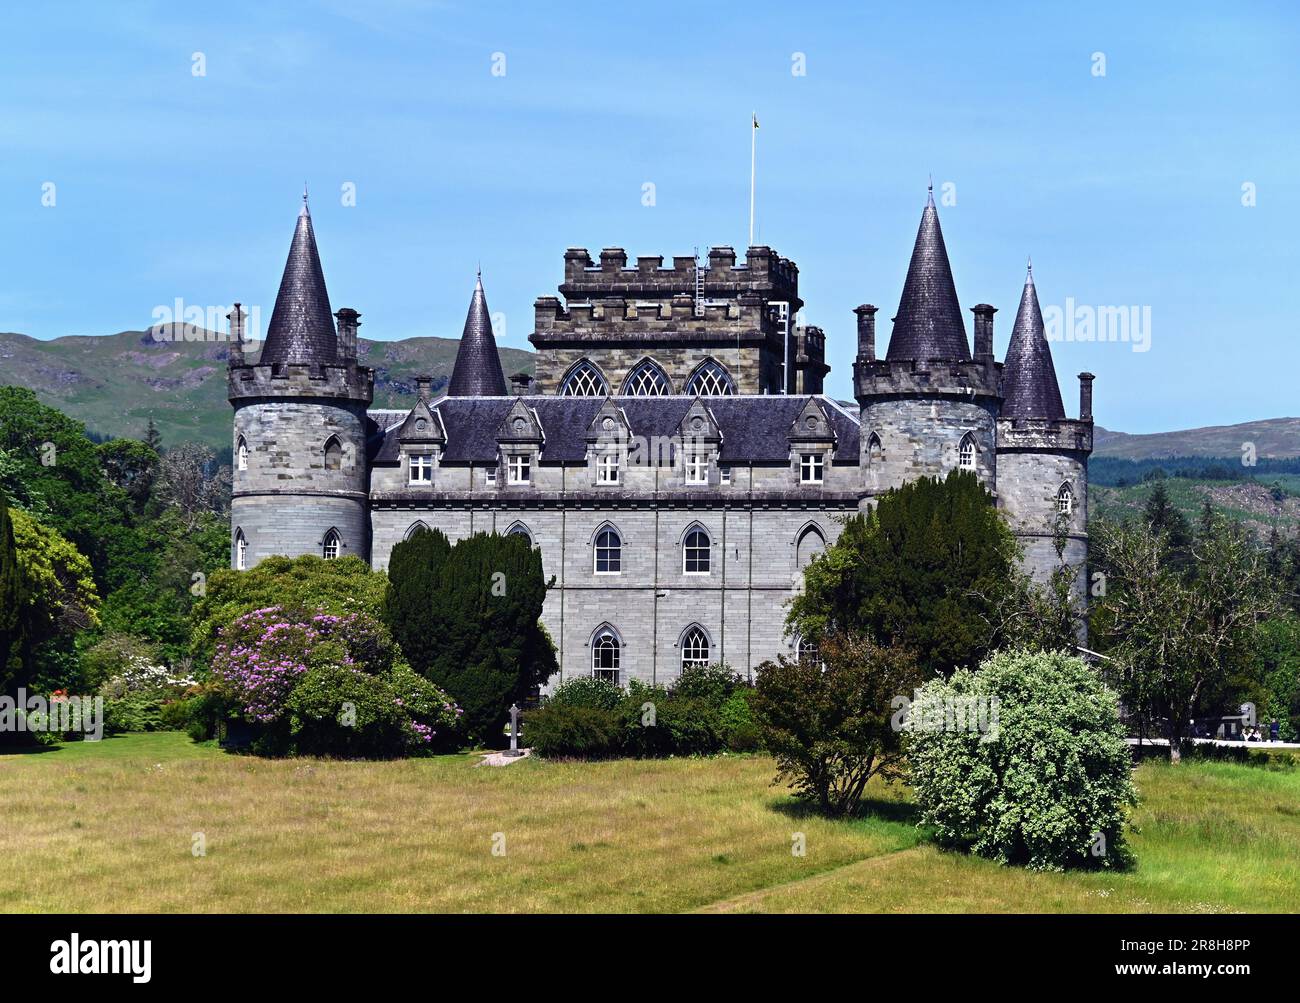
(12, 601)
(413, 574)
(927, 569)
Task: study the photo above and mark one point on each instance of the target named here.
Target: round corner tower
(301, 473)
(928, 407)
(1042, 454)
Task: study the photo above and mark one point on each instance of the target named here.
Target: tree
(190, 481)
(131, 466)
(1179, 633)
(927, 569)
(12, 600)
(1160, 516)
(56, 593)
(1023, 761)
(479, 636)
(829, 722)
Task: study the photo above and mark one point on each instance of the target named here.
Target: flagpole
(753, 148)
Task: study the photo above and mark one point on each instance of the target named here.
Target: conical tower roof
(1029, 385)
(929, 323)
(302, 324)
(478, 366)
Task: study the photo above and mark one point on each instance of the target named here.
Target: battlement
(876, 378)
(1043, 435)
(764, 273)
(346, 380)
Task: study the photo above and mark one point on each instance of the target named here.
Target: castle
(674, 457)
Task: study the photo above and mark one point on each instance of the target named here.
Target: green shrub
(434, 718)
(568, 731)
(713, 684)
(1045, 785)
(736, 719)
(829, 723)
(339, 711)
(139, 710)
(587, 691)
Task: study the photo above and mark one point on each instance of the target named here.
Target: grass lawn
(110, 826)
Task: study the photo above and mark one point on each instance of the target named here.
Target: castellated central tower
(301, 478)
(928, 407)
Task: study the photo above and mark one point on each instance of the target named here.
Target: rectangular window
(697, 468)
(811, 466)
(519, 470)
(607, 468)
(490, 476)
(421, 469)
(725, 474)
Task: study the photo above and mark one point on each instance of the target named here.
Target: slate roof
(302, 323)
(754, 428)
(477, 372)
(929, 324)
(1029, 386)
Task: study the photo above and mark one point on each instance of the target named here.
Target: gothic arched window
(695, 647)
(584, 380)
(331, 544)
(696, 552)
(608, 557)
(874, 452)
(810, 545)
(606, 650)
(333, 453)
(241, 453)
(647, 380)
(966, 453)
(1065, 500)
(519, 529)
(241, 551)
(711, 379)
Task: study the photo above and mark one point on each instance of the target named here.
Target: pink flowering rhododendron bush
(312, 682)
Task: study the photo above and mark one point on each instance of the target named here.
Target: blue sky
(1126, 188)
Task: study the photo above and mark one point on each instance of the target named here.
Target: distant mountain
(1272, 437)
(115, 383)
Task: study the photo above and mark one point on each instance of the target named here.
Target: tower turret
(477, 372)
(302, 475)
(927, 407)
(1042, 454)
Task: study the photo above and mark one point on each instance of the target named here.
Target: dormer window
(421, 466)
(697, 467)
(811, 468)
(607, 468)
(520, 469)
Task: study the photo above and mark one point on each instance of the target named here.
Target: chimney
(521, 384)
(423, 387)
(1085, 396)
(866, 332)
(349, 321)
(236, 318)
(983, 330)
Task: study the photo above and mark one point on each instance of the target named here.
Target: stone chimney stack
(236, 318)
(983, 330)
(866, 332)
(1085, 396)
(521, 384)
(424, 387)
(349, 321)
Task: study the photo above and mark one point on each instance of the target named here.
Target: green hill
(115, 383)
(1273, 437)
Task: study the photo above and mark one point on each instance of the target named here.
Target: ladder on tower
(699, 285)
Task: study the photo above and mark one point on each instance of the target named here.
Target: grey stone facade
(698, 440)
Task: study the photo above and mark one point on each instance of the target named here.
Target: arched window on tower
(647, 380)
(241, 551)
(711, 379)
(333, 453)
(606, 652)
(584, 380)
(874, 451)
(695, 646)
(966, 453)
(1065, 500)
(241, 454)
(331, 544)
